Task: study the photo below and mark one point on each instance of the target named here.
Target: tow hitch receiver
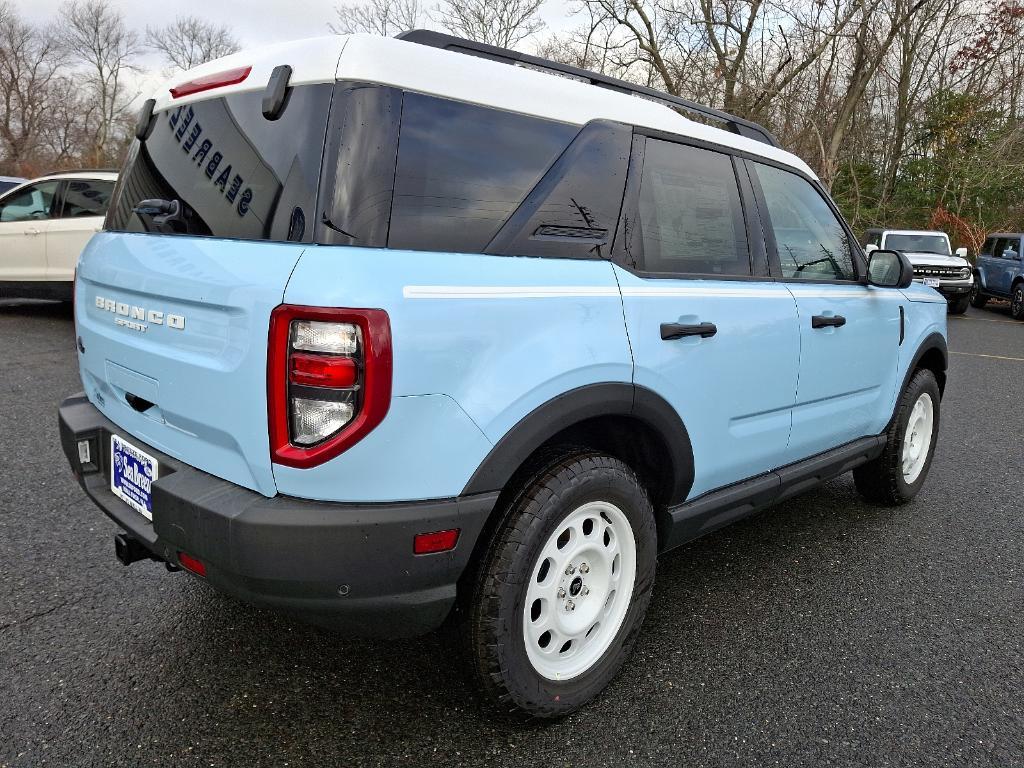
(129, 550)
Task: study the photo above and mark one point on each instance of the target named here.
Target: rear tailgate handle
(828, 321)
(670, 331)
(137, 403)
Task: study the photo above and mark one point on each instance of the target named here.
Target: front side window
(690, 216)
(33, 203)
(811, 241)
(986, 248)
(86, 197)
(463, 170)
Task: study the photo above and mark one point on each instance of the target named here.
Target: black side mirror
(890, 269)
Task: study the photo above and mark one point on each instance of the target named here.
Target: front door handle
(828, 321)
(32, 231)
(671, 331)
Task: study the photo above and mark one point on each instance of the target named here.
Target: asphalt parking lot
(825, 632)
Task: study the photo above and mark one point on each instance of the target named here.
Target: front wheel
(1017, 301)
(562, 592)
(897, 475)
(960, 306)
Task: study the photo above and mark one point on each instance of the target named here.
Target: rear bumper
(346, 565)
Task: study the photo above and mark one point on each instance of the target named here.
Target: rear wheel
(960, 306)
(562, 592)
(1017, 301)
(897, 475)
(978, 299)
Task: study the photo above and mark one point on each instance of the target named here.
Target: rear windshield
(233, 172)
(918, 243)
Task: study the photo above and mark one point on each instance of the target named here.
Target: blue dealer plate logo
(132, 473)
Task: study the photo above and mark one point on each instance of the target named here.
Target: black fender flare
(933, 341)
(578, 405)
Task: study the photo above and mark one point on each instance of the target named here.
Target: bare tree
(95, 33)
(379, 17)
(30, 59)
(70, 124)
(869, 51)
(191, 41)
(504, 23)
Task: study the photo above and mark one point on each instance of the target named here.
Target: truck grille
(953, 273)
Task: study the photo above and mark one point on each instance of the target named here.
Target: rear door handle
(32, 231)
(671, 331)
(828, 321)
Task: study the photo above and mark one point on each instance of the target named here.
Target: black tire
(960, 306)
(495, 626)
(882, 480)
(1017, 301)
(978, 299)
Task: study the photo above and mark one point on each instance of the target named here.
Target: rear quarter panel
(478, 341)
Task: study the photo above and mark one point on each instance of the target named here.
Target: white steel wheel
(579, 591)
(917, 439)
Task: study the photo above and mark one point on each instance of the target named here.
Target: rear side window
(463, 170)
(811, 241)
(86, 197)
(690, 217)
(234, 173)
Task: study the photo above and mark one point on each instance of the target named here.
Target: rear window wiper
(163, 213)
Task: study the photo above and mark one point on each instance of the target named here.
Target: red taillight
(330, 368)
(190, 563)
(438, 541)
(208, 82)
(314, 370)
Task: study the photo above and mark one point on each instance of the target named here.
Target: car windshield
(919, 244)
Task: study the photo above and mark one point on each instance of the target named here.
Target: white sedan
(44, 225)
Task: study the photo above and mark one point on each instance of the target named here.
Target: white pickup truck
(935, 263)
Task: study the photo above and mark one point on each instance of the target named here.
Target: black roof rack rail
(737, 125)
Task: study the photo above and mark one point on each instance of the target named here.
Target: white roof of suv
(453, 75)
(914, 232)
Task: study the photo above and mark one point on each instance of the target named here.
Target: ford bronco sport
(934, 262)
(389, 332)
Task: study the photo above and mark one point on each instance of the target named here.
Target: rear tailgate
(173, 344)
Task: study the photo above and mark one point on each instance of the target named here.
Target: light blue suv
(389, 333)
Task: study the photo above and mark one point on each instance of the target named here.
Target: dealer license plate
(131, 475)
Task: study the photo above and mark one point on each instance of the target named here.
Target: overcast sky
(253, 21)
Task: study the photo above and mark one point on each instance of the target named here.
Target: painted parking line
(959, 318)
(991, 357)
